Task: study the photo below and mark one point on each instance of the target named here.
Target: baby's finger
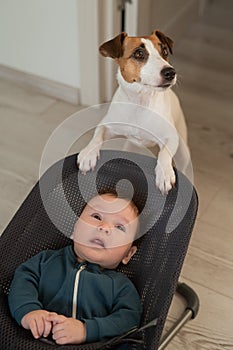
(34, 330)
(58, 335)
(55, 318)
(47, 328)
(40, 323)
(58, 327)
(52, 314)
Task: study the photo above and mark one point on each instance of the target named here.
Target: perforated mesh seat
(45, 221)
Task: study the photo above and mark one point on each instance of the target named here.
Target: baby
(75, 292)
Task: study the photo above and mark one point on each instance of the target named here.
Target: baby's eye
(96, 216)
(121, 227)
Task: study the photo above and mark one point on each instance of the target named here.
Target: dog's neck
(136, 92)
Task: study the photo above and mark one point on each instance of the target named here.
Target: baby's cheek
(79, 229)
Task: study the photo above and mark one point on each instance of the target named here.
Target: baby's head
(105, 232)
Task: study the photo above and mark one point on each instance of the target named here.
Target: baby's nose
(104, 228)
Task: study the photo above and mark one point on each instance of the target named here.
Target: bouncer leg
(189, 313)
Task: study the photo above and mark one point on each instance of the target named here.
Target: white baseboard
(45, 86)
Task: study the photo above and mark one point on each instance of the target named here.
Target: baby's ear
(129, 255)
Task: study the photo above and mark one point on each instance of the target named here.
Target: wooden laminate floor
(204, 61)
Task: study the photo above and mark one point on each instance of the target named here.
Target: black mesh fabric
(45, 221)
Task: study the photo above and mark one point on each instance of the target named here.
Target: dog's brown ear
(164, 39)
(113, 48)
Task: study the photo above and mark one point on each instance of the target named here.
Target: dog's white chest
(135, 134)
(132, 121)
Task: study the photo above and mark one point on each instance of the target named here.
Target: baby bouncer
(166, 221)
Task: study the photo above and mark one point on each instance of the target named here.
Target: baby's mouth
(98, 242)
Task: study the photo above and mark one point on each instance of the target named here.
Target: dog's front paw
(165, 178)
(87, 159)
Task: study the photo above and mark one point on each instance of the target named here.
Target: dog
(144, 109)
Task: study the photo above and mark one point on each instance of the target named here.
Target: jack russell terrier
(144, 109)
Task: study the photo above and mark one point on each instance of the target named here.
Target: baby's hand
(67, 330)
(37, 322)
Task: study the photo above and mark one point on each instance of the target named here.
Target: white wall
(41, 37)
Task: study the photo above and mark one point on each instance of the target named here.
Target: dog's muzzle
(168, 77)
(168, 73)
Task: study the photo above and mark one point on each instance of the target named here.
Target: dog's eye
(139, 55)
(164, 52)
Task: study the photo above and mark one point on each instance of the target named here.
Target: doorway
(106, 19)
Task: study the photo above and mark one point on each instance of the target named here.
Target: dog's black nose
(168, 73)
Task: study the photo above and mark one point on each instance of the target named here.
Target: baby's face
(105, 231)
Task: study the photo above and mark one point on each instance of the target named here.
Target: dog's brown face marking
(166, 44)
(131, 54)
(134, 57)
(161, 47)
